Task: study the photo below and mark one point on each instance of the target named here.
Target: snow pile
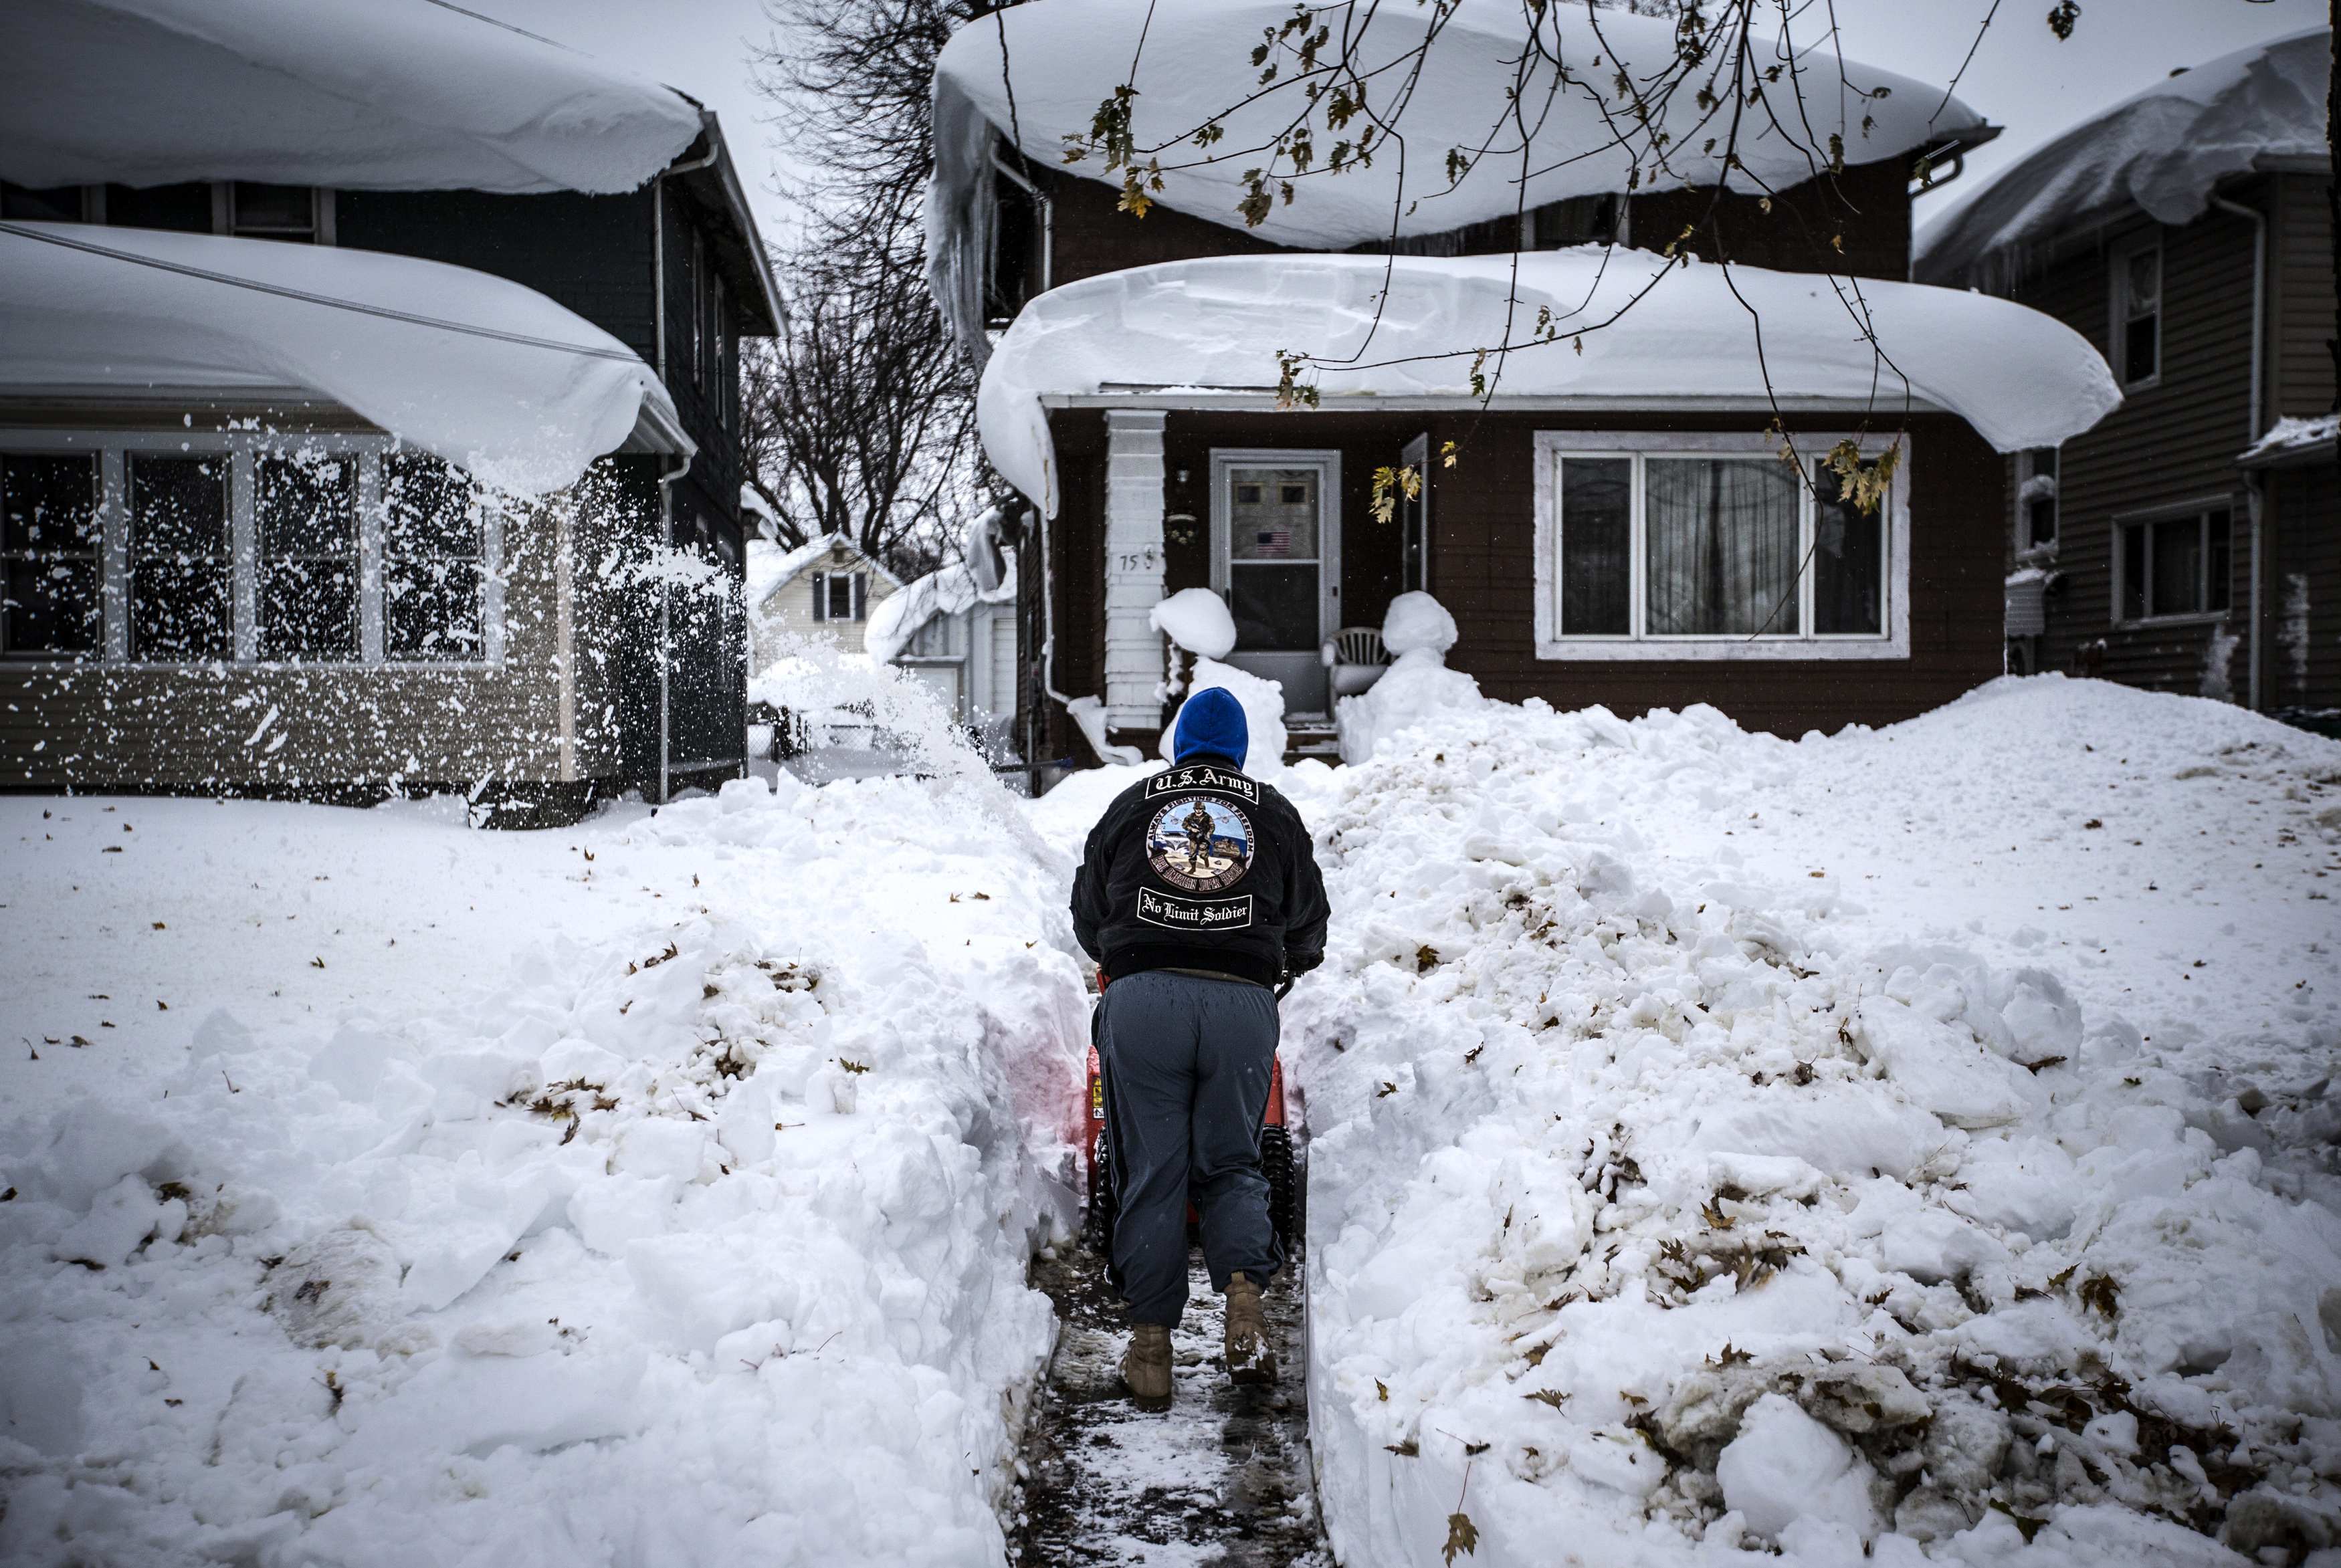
(365, 97)
(492, 376)
(1263, 708)
(1417, 685)
(1414, 324)
(1197, 620)
(1418, 623)
(849, 703)
(1720, 1142)
(699, 1236)
(1038, 73)
(2164, 150)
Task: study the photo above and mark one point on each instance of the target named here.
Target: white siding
(786, 614)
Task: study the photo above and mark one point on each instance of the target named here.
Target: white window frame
(1327, 462)
(1416, 513)
(320, 230)
(114, 447)
(2019, 526)
(2117, 309)
(2199, 509)
(1892, 643)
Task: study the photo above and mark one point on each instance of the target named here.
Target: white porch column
(1133, 567)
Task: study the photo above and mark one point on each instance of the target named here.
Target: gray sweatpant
(1187, 1063)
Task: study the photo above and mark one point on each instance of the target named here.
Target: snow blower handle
(1284, 985)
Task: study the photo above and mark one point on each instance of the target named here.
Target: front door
(1275, 557)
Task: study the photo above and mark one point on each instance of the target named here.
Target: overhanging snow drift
(1062, 57)
(382, 96)
(1412, 325)
(490, 375)
(2164, 150)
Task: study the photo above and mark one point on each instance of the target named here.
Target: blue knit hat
(1211, 724)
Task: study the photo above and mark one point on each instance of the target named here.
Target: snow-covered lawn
(1924, 1135)
(660, 1191)
(1922, 1138)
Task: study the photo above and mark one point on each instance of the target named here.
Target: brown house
(1606, 513)
(2190, 542)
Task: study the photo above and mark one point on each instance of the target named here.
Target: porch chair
(1355, 659)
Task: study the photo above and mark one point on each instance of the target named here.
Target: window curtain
(1722, 548)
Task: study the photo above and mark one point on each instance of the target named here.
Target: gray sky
(702, 47)
(2025, 80)
(2022, 78)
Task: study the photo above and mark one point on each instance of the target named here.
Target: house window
(1016, 270)
(273, 212)
(307, 506)
(49, 543)
(182, 573)
(51, 204)
(1574, 221)
(725, 380)
(1704, 547)
(2137, 312)
(156, 548)
(185, 207)
(696, 285)
(840, 595)
(2174, 566)
(433, 555)
(2035, 499)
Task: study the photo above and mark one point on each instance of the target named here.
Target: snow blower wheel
(1096, 1225)
(1283, 1208)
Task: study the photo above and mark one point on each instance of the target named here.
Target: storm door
(1414, 518)
(1275, 557)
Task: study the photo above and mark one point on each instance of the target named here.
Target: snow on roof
(2020, 378)
(948, 591)
(769, 568)
(2163, 150)
(1063, 57)
(2293, 441)
(490, 375)
(393, 95)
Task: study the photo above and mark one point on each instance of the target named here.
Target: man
(1198, 893)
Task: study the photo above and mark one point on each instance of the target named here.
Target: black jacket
(1200, 867)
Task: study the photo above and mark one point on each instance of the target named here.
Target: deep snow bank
(697, 1240)
(1720, 1142)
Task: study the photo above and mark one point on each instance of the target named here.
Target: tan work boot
(1249, 1358)
(1146, 1364)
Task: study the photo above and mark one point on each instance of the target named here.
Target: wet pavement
(1221, 1480)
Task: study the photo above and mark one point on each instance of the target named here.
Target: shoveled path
(1221, 1479)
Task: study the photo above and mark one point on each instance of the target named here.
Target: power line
(385, 312)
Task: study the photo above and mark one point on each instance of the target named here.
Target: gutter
(1116, 395)
(2255, 483)
(683, 464)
